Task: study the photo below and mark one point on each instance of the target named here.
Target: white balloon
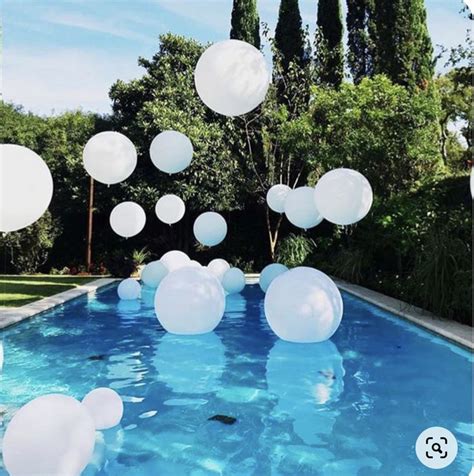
(218, 267)
(174, 260)
(300, 208)
(52, 434)
(233, 280)
(303, 305)
(26, 187)
(129, 289)
(153, 273)
(210, 228)
(194, 264)
(232, 77)
(170, 209)
(105, 407)
(472, 182)
(269, 273)
(276, 197)
(127, 219)
(343, 196)
(190, 301)
(171, 152)
(109, 157)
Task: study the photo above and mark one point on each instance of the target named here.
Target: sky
(65, 54)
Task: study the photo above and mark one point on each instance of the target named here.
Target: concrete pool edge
(12, 316)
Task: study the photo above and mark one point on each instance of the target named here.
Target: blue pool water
(351, 406)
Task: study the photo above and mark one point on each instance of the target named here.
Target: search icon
(437, 448)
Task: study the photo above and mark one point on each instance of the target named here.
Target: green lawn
(20, 290)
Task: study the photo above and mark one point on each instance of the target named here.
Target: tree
(289, 35)
(245, 22)
(329, 49)
(403, 46)
(360, 42)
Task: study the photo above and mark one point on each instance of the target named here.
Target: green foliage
(120, 264)
(245, 22)
(294, 250)
(329, 49)
(380, 129)
(26, 250)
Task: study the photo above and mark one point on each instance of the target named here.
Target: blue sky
(65, 54)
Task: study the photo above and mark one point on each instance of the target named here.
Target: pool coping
(453, 331)
(11, 316)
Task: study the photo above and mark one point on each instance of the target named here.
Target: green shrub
(294, 250)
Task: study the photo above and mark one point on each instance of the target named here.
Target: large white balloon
(175, 259)
(105, 407)
(233, 280)
(232, 77)
(153, 273)
(129, 289)
(218, 267)
(171, 152)
(343, 196)
(109, 157)
(276, 197)
(190, 301)
(269, 273)
(26, 187)
(303, 305)
(300, 208)
(53, 434)
(170, 209)
(127, 219)
(210, 228)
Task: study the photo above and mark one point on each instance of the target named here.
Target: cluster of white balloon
(55, 434)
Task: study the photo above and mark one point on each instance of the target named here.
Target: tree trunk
(273, 232)
(90, 212)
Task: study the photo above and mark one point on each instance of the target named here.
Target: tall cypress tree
(329, 52)
(289, 35)
(360, 24)
(403, 46)
(245, 22)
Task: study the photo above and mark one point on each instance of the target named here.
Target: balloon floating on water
(218, 267)
(153, 273)
(26, 187)
(233, 280)
(343, 196)
(276, 197)
(127, 219)
(174, 260)
(300, 208)
(303, 305)
(129, 289)
(210, 228)
(190, 301)
(170, 209)
(269, 273)
(53, 434)
(109, 157)
(105, 407)
(171, 152)
(232, 77)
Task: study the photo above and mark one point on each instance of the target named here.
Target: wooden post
(90, 212)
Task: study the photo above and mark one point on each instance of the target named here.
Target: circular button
(436, 447)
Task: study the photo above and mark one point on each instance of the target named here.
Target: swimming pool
(353, 405)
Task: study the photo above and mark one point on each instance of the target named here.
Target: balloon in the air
(52, 434)
(276, 197)
(218, 267)
(232, 77)
(175, 259)
(190, 301)
(269, 273)
(170, 209)
(210, 228)
(300, 208)
(343, 196)
(233, 280)
(26, 187)
(129, 289)
(109, 157)
(171, 152)
(303, 305)
(127, 219)
(153, 273)
(105, 407)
